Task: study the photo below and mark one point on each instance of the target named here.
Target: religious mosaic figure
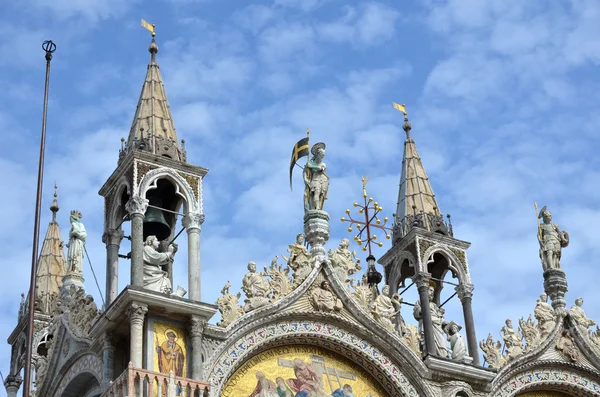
(228, 306)
(457, 343)
(512, 340)
(256, 288)
(283, 390)
(385, 309)
(77, 236)
(344, 261)
(170, 355)
(155, 278)
(437, 320)
(544, 314)
(299, 260)
(264, 387)
(307, 382)
(344, 391)
(315, 179)
(323, 299)
(579, 317)
(552, 240)
(491, 352)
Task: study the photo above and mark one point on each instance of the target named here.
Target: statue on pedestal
(457, 343)
(155, 278)
(544, 314)
(437, 320)
(315, 179)
(77, 236)
(256, 288)
(299, 260)
(579, 317)
(552, 240)
(512, 340)
(323, 299)
(344, 261)
(385, 309)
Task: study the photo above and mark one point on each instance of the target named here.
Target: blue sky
(502, 96)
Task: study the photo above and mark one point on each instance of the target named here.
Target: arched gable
(453, 262)
(83, 365)
(182, 187)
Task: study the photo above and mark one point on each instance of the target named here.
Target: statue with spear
(552, 240)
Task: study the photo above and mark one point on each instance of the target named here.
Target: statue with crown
(77, 236)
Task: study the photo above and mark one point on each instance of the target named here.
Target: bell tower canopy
(152, 129)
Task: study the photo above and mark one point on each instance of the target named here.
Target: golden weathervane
(370, 209)
(149, 26)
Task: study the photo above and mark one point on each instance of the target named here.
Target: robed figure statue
(77, 236)
(315, 179)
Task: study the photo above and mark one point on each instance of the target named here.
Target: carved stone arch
(81, 370)
(554, 376)
(396, 271)
(182, 187)
(315, 333)
(112, 217)
(453, 262)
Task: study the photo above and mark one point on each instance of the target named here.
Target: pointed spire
(152, 129)
(417, 205)
(51, 263)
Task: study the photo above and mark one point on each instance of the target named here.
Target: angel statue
(315, 179)
(552, 240)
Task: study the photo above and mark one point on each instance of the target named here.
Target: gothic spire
(417, 205)
(51, 264)
(152, 129)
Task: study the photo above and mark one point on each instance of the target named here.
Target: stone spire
(152, 129)
(417, 205)
(51, 264)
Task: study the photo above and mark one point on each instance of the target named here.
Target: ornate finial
(55, 188)
(371, 210)
(76, 214)
(406, 126)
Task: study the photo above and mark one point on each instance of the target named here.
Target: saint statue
(579, 317)
(323, 299)
(552, 240)
(299, 260)
(544, 314)
(256, 288)
(437, 320)
(457, 343)
(343, 261)
(170, 355)
(155, 278)
(315, 179)
(386, 308)
(512, 340)
(77, 236)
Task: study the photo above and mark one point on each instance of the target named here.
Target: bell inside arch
(155, 223)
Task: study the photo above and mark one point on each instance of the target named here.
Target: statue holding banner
(315, 179)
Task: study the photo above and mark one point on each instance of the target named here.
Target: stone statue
(552, 240)
(410, 336)
(343, 261)
(363, 293)
(491, 352)
(228, 306)
(595, 338)
(315, 179)
(566, 344)
(512, 340)
(77, 236)
(579, 317)
(437, 319)
(256, 288)
(385, 309)
(299, 260)
(82, 314)
(279, 282)
(457, 343)
(323, 299)
(155, 278)
(530, 333)
(544, 314)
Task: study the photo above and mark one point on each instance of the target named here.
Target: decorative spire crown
(54, 206)
(76, 214)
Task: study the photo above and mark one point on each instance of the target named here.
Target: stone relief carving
(136, 205)
(256, 287)
(386, 308)
(579, 317)
(410, 337)
(280, 283)
(323, 299)
(41, 369)
(566, 345)
(228, 306)
(492, 352)
(552, 240)
(299, 260)
(363, 293)
(530, 332)
(344, 261)
(544, 314)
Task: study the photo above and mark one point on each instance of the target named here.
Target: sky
(502, 97)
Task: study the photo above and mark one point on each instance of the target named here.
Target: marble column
(112, 238)
(196, 328)
(192, 223)
(136, 208)
(136, 313)
(108, 358)
(421, 279)
(465, 294)
(12, 384)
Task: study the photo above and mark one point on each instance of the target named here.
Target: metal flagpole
(49, 47)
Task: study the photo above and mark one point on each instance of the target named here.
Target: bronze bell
(154, 221)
